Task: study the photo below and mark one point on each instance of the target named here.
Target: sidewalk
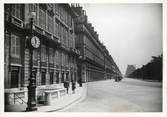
(58, 104)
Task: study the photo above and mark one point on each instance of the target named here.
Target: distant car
(118, 78)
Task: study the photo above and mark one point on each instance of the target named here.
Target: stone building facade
(96, 62)
(56, 58)
(70, 48)
(130, 69)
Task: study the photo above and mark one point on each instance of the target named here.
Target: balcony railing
(46, 33)
(39, 30)
(14, 20)
(17, 21)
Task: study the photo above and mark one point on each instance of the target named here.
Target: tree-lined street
(129, 95)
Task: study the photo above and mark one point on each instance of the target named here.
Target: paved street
(129, 95)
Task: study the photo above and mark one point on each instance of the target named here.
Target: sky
(132, 33)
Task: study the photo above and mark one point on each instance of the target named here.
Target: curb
(61, 108)
(82, 97)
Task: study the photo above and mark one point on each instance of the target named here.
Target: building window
(43, 53)
(66, 62)
(42, 18)
(56, 57)
(71, 41)
(61, 35)
(73, 38)
(62, 57)
(14, 78)
(51, 55)
(6, 8)
(57, 77)
(65, 17)
(33, 8)
(57, 9)
(35, 55)
(61, 13)
(69, 20)
(17, 11)
(15, 46)
(67, 38)
(56, 28)
(59, 31)
(51, 77)
(43, 78)
(59, 58)
(50, 23)
(64, 36)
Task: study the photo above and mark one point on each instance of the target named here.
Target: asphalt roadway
(129, 95)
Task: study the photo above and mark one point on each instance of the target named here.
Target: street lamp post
(32, 41)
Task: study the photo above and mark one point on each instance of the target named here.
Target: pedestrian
(66, 85)
(80, 82)
(73, 86)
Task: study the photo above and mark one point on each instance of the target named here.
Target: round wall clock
(35, 42)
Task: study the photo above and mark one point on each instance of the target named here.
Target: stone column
(59, 76)
(54, 74)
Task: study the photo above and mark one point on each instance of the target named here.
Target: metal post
(31, 104)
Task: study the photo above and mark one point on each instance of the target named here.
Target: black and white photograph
(83, 57)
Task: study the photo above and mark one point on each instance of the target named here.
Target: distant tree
(151, 71)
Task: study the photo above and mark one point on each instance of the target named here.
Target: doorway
(43, 80)
(14, 78)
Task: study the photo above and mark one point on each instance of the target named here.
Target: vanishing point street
(129, 95)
